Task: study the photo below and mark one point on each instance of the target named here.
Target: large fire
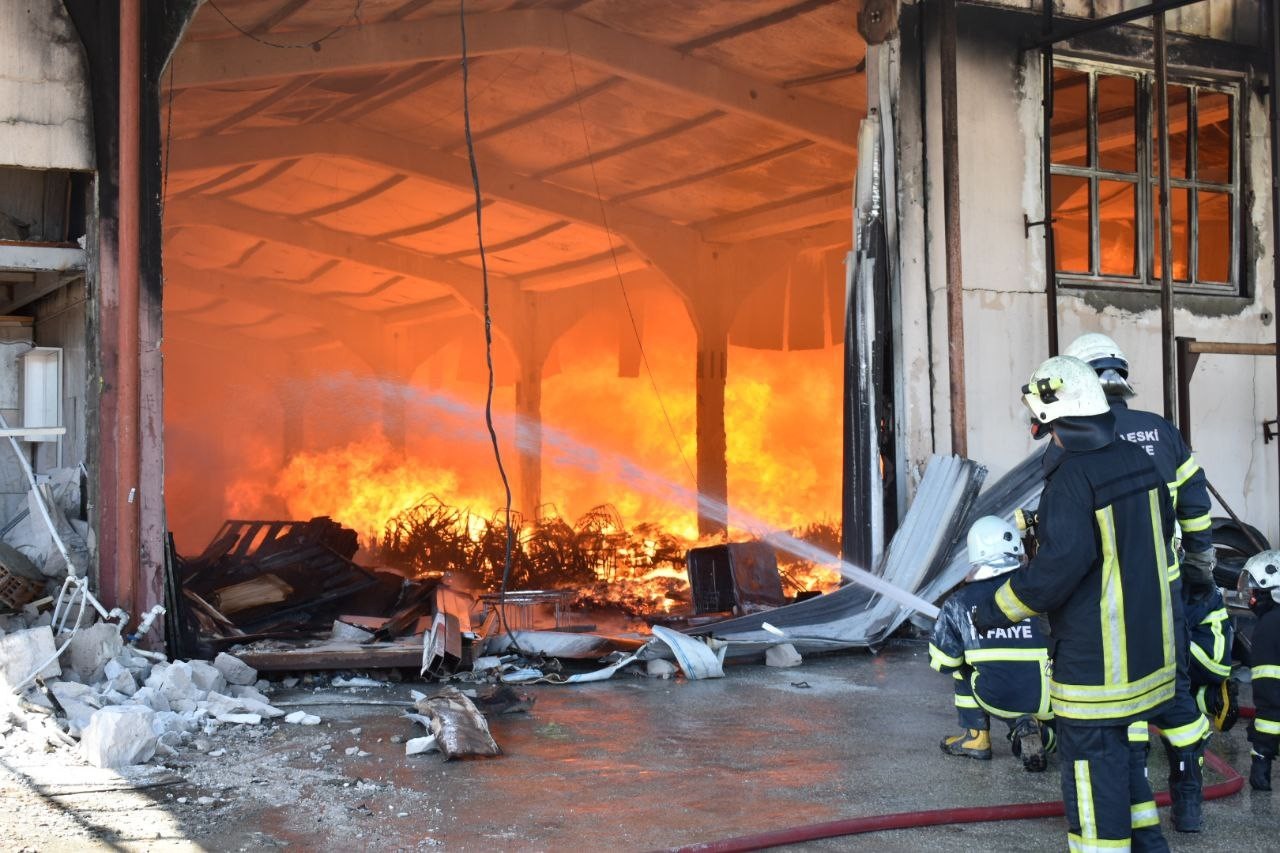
(782, 415)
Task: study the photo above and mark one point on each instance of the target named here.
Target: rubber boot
(1260, 773)
(1186, 787)
(971, 743)
(1028, 744)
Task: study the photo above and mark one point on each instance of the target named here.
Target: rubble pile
(116, 704)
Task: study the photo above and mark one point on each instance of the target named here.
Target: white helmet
(1064, 387)
(994, 548)
(1262, 572)
(1107, 360)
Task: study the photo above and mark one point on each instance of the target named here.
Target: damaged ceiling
(317, 171)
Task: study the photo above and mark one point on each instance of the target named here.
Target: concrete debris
(419, 745)
(302, 718)
(79, 701)
(91, 649)
(659, 668)
(205, 676)
(239, 719)
(22, 651)
(783, 655)
(119, 736)
(152, 698)
(234, 670)
(357, 681)
(344, 633)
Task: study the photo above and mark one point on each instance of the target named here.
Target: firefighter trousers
(1108, 800)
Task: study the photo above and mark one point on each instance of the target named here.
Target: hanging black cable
(488, 331)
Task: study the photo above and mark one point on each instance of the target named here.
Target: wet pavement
(635, 764)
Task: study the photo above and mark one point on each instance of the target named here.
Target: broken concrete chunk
(119, 736)
(206, 676)
(234, 670)
(239, 719)
(659, 668)
(302, 718)
(344, 633)
(122, 682)
(357, 681)
(241, 691)
(419, 745)
(22, 651)
(78, 701)
(176, 683)
(783, 654)
(289, 682)
(92, 648)
(152, 698)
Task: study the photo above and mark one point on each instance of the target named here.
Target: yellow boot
(971, 743)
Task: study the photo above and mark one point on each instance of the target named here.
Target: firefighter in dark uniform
(1101, 574)
(1260, 580)
(1184, 729)
(1211, 636)
(997, 673)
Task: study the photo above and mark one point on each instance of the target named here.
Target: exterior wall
(1005, 317)
(1240, 21)
(44, 91)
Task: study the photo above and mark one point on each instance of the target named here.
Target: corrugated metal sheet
(854, 616)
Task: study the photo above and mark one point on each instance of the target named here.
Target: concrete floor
(630, 764)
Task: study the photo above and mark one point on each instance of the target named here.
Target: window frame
(1147, 181)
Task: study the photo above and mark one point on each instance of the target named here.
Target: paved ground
(631, 764)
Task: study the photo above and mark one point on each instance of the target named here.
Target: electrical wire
(617, 269)
(313, 44)
(488, 329)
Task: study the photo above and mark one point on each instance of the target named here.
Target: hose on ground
(1231, 784)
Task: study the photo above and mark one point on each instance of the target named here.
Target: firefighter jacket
(1188, 488)
(1265, 658)
(1101, 574)
(1210, 634)
(1006, 667)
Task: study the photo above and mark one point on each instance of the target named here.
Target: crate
(15, 590)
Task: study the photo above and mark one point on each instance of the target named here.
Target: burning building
(265, 274)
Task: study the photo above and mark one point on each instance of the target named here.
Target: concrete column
(293, 404)
(394, 405)
(712, 469)
(529, 437)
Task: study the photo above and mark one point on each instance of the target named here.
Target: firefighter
(1100, 573)
(1210, 636)
(1260, 580)
(998, 673)
(1184, 729)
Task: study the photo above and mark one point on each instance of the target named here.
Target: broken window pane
(1181, 256)
(1071, 224)
(1213, 237)
(1117, 124)
(1117, 228)
(1069, 143)
(1179, 97)
(1213, 142)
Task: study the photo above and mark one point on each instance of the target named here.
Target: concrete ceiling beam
(380, 46)
(405, 158)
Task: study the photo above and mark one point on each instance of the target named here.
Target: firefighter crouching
(1101, 574)
(1260, 580)
(997, 673)
(1211, 636)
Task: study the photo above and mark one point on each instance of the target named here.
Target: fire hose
(1231, 784)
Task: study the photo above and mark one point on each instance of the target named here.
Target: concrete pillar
(712, 468)
(394, 406)
(529, 437)
(293, 405)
